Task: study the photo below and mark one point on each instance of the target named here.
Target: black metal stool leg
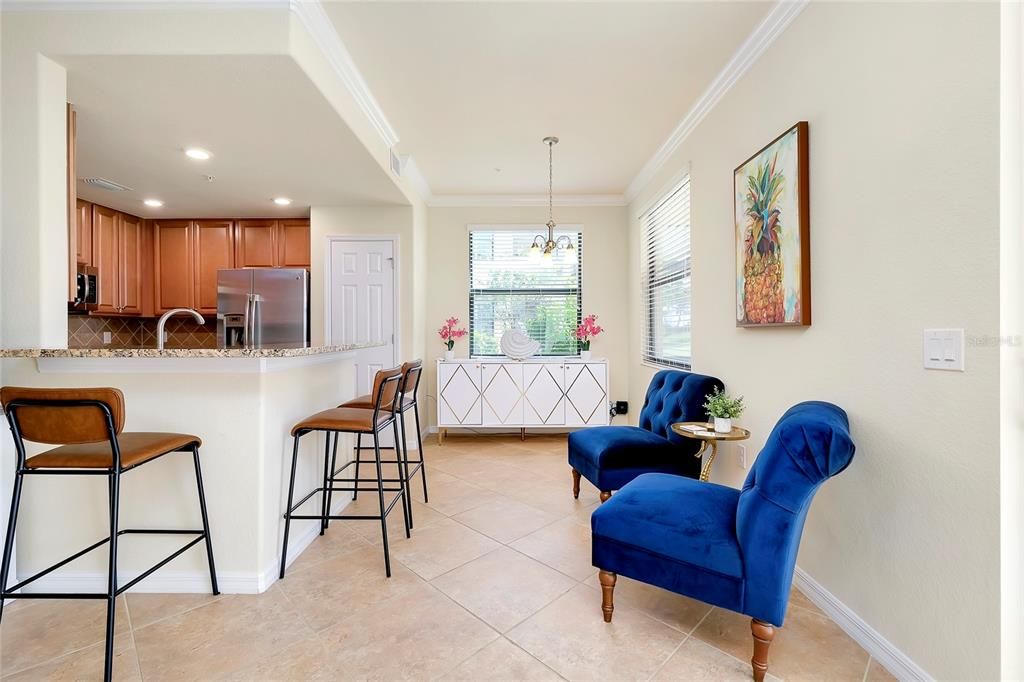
(359, 449)
(115, 492)
(423, 458)
(402, 464)
(5, 568)
(206, 520)
(330, 493)
(324, 495)
(383, 512)
(288, 509)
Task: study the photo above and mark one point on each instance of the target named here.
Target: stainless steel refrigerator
(263, 308)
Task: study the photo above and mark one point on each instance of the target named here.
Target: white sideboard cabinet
(533, 393)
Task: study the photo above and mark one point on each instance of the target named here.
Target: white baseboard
(881, 649)
(183, 582)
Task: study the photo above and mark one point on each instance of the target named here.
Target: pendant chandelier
(547, 246)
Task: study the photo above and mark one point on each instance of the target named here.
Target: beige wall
(604, 279)
(903, 106)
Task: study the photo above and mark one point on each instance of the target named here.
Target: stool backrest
(386, 383)
(63, 416)
(676, 396)
(810, 444)
(411, 372)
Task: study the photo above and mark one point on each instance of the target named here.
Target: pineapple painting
(771, 222)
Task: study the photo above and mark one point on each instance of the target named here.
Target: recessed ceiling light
(282, 201)
(197, 154)
(154, 203)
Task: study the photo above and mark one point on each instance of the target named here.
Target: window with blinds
(666, 283)
(507, 287)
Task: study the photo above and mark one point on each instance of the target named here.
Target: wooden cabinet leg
(441, 434)
(576, 484)
(607, 579)
(763, 634)
(605, 495)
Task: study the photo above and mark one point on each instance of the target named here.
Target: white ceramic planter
(585, 355)
(723, 425)
(449, 354)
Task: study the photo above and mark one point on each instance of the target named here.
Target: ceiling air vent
(108, 185)
(396, 163)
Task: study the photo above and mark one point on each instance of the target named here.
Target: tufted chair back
(675, 396)
(810, 444)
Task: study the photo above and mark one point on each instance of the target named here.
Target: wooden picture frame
(771, 222)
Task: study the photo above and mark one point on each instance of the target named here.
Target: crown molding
(770, 28)
(135, 5)
(511, 200)
(315, 20)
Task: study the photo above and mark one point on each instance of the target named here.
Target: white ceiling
(473, 87)
(271, 132)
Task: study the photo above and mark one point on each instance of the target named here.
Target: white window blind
(507, 287)
(666, 283)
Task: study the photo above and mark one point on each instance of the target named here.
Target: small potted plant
(585, 333)
(723, 408)
(448, 334)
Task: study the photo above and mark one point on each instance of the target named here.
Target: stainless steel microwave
(86, 289)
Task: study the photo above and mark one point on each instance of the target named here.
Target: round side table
(708, 437)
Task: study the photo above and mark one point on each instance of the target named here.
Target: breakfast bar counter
(241, 403)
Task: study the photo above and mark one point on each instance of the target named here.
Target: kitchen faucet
(163, 321)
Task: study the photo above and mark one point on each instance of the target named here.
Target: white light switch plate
(944, 349)
(106, 338)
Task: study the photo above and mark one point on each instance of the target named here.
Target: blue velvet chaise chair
(612, 456)
(735, 549)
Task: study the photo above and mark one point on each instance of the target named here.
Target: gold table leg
(708, 460)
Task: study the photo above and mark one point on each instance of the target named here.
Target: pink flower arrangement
(587, 331)
(449, 333)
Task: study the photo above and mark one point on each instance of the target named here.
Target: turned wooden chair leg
(605, 495)
(576, 484)
(607, 588)
(763, 634)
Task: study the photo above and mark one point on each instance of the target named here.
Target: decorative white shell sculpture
(517, 345)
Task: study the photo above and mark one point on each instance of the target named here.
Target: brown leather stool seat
(136, 448)
(365, 402)
(86, 425)
(347, 419)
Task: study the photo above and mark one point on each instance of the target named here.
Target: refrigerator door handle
(246, 337)
(257, 322)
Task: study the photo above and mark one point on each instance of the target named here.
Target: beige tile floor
(495, 583)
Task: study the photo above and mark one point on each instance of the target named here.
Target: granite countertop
(177, 352)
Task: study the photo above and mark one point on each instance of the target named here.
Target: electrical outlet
(741, 456)
(106, 338)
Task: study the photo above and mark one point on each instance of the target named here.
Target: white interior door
(362, 305)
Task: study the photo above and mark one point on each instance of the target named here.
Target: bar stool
(87, 424)
(408, 389)
(359, 421)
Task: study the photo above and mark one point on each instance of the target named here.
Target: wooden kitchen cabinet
(256, 244)
(83, 243)
(117, 251)
(272, 244)
(293, 244)
(173, 246)
(104, 258)
(214, 250)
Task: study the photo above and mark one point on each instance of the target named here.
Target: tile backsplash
(130, 332)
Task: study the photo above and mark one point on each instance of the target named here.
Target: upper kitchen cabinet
(256, 244)
(173, 249)
(272, 243)
(293, 244)
(187, 255)
(214, 250)
(83, 226)
(118, 248)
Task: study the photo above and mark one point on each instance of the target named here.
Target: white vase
(449, 354)
(585, 355)
(723, 424)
